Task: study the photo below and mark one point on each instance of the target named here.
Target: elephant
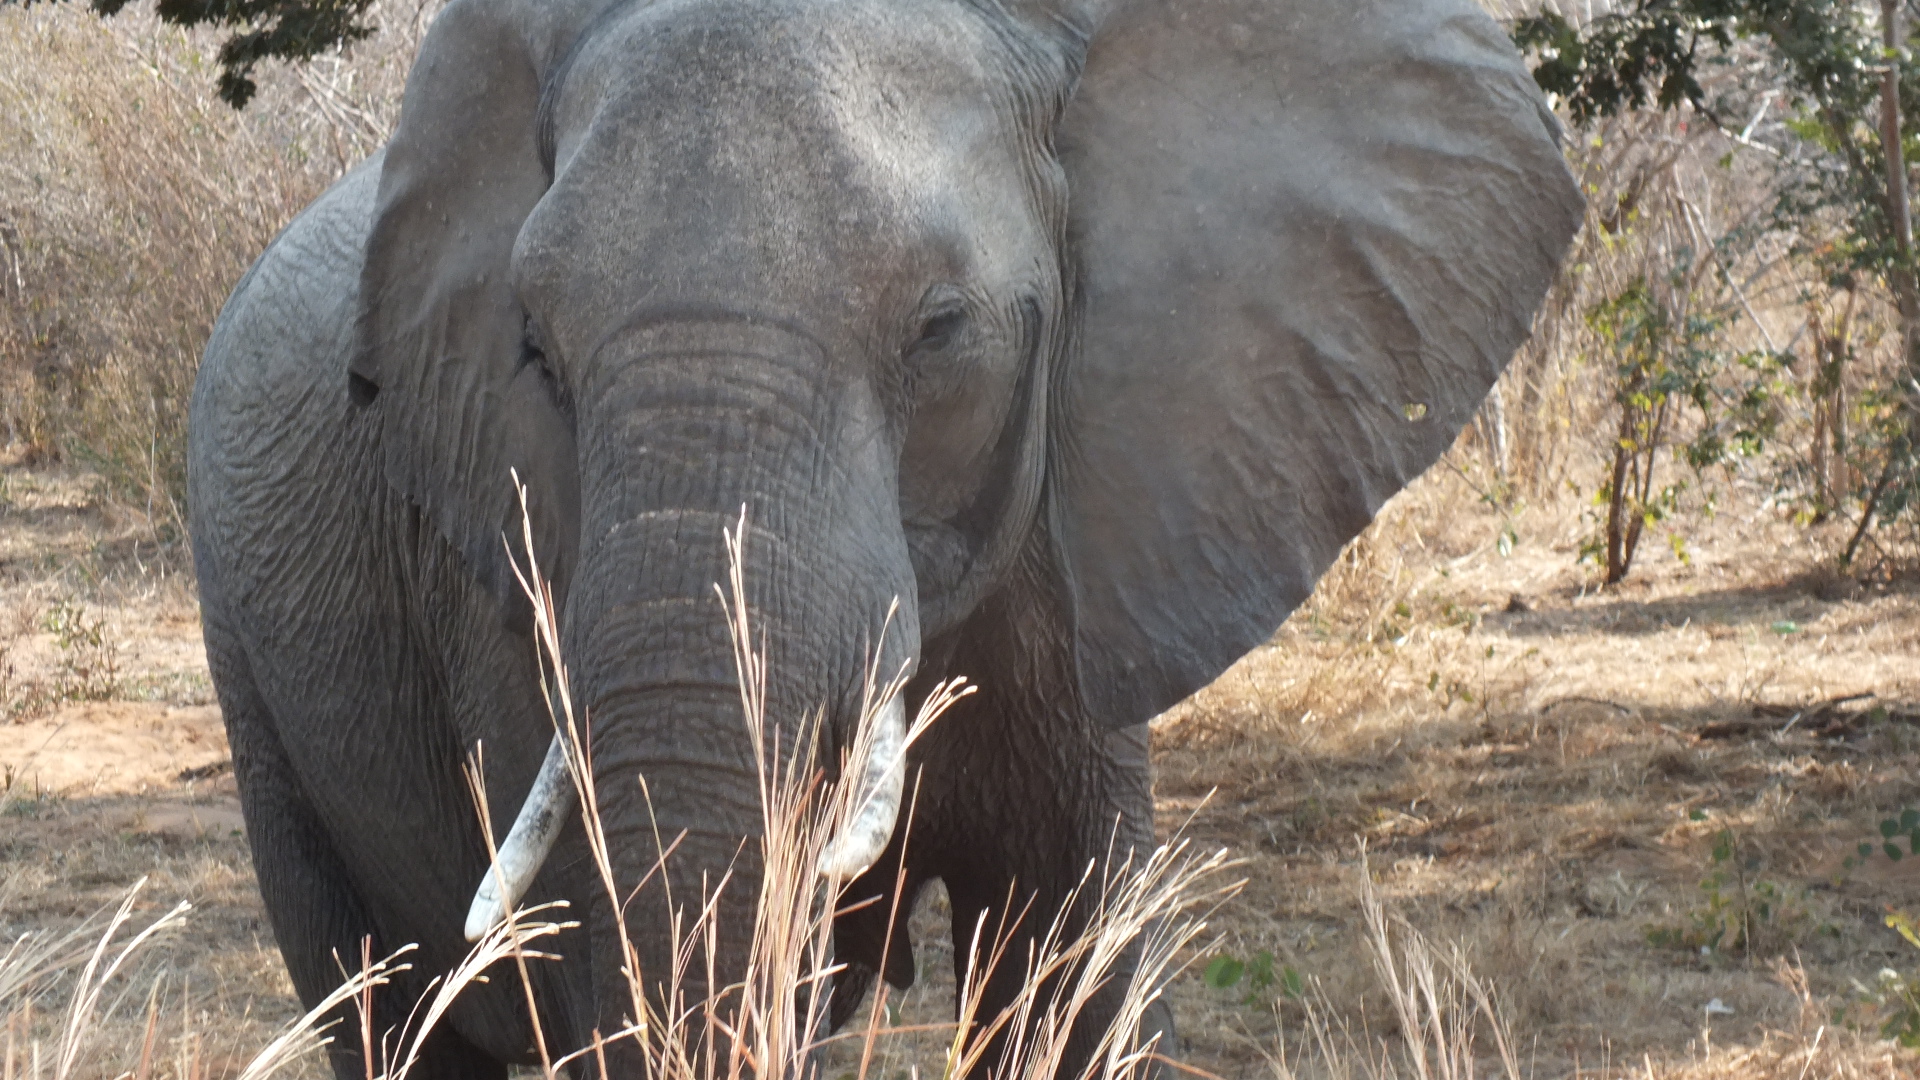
(1086, 332)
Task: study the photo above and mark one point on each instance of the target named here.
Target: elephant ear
(1310, 235)
(440, 342)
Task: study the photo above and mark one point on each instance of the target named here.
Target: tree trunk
(1906, 289)
(1899, 213)
(1617, 553)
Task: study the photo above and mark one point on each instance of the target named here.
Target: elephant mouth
(856, 845)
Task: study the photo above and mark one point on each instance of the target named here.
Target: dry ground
(1537, 769)
(1541, 771)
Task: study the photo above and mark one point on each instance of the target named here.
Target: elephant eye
(533, 352)
(940, 330)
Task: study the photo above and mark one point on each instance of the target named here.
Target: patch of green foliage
(1898, 994)
(1665, 358)
(1643, 54)
(1895, 996)
(1257, 974)
(1740, 912)
(1902, 826)
(88, 669)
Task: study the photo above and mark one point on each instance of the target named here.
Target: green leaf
(1292, 983)
(1889, 827)
(1223, 972)
(1260, 971)
(1785, 627)
(1892, 852)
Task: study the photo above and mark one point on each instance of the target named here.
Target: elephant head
(1160, 298)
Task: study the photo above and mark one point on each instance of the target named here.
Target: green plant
(89, 660)
(1905, 825)
(1664, 343)
(1739, 912)
(1257, 973)
(1839, 77)
(1894, 997)
(1903, 1026)
(88, 667)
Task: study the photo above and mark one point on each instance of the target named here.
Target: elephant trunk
(681, 427)
(552, 800)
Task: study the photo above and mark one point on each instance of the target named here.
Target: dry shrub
(131, 201)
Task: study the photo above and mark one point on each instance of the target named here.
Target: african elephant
(1089, 330)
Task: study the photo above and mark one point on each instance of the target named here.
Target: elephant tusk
(548, 805)
(882, 783)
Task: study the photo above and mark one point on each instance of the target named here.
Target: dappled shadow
(1572, 837)
(1782, 607)
(1558, 758)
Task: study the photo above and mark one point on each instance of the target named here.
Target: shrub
(131, 201)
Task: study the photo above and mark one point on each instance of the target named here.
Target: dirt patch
(114, 748)
(114, 770)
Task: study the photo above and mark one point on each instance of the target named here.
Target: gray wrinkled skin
(1088, 330)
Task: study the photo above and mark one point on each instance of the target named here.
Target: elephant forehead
(899, 87)
(839, 149)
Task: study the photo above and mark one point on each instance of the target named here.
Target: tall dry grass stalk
(1151, 909)
(37, 960)
(1440, 1010)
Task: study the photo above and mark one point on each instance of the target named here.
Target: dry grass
(1542, 770)
(1533, 806)
(131, 200)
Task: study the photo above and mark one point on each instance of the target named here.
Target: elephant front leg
(1051, 811)
(870, 934)
(319, 920)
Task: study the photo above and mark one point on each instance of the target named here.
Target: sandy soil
(1539, 771)
(114, 748)
(113, 770)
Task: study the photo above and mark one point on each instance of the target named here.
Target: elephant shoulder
(271, 425)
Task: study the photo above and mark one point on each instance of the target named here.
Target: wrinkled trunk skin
(681, 425)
